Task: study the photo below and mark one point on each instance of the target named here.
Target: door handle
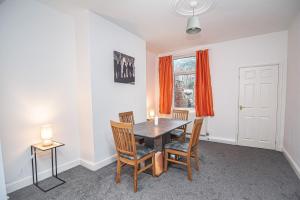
(241, 107)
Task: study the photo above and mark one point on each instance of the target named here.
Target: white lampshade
(151, 113)
(46, 135)
(193, 25)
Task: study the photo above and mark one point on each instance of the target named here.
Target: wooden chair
(127, 117)
(186, 150)
(179, 133)
(128, 153)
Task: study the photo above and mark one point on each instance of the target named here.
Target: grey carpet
(227, 172)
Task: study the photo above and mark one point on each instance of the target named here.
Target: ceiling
(164, 30)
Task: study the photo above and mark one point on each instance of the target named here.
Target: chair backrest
(181, 115)
(124, 138)
(194, 140)
(126, 117)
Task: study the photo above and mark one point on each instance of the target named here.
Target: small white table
(40, 147)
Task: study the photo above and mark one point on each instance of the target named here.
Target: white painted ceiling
(164, 30)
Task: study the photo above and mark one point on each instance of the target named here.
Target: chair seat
(139, 139)
(141, 151)
(180, 146)
(177, 133)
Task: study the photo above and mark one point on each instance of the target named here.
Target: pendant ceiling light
(192, 8)
(193, 23)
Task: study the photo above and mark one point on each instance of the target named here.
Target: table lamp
(46, 135)
(151, 114)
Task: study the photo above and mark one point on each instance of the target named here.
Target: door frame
(281, 99)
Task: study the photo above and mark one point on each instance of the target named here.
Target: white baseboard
(16, 185)
(87, 164)
(94, 166)
(13, 186)
(218, 139)
(292, 162)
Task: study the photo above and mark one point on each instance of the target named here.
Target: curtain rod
(185, 55)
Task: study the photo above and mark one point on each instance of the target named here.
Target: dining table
(157, 135)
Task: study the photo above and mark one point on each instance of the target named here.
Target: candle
(156, 120)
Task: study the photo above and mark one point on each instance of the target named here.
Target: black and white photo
(124, 68)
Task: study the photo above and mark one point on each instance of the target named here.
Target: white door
(258, 106)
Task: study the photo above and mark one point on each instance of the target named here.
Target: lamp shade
(193, 25)
(151, 113)
(46, 135)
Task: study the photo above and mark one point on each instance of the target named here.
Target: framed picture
(124, 68)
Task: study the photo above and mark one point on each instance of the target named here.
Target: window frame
(191, 109)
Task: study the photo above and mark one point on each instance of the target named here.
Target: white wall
(87, 148)
(58, 69)
(109, 98)
(292, 118)
(151, 71)
(96, 39)
(37, 87)
(225, 60)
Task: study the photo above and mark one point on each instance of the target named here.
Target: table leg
(32, 167)
(52, 166)
(158, 143)
(55, 162)
(54, 171)
(35, 167)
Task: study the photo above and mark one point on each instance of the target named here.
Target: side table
(40, 147)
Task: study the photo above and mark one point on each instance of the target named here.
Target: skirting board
(16, 185)
(292, 162)
(94, 166)
(13, 186)
(218, 139)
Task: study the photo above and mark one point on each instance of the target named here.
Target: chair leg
(118, 176)
(182, 138)
(166, 161)
(189, 169)
(135, 174)
(153, 164)
(197, 162)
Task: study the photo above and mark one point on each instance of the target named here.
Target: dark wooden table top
(149, 130)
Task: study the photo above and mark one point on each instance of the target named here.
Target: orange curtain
(203, 91)
(165, 84)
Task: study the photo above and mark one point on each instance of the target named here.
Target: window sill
(191, 110)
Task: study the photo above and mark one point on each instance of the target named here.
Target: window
(184, 82)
